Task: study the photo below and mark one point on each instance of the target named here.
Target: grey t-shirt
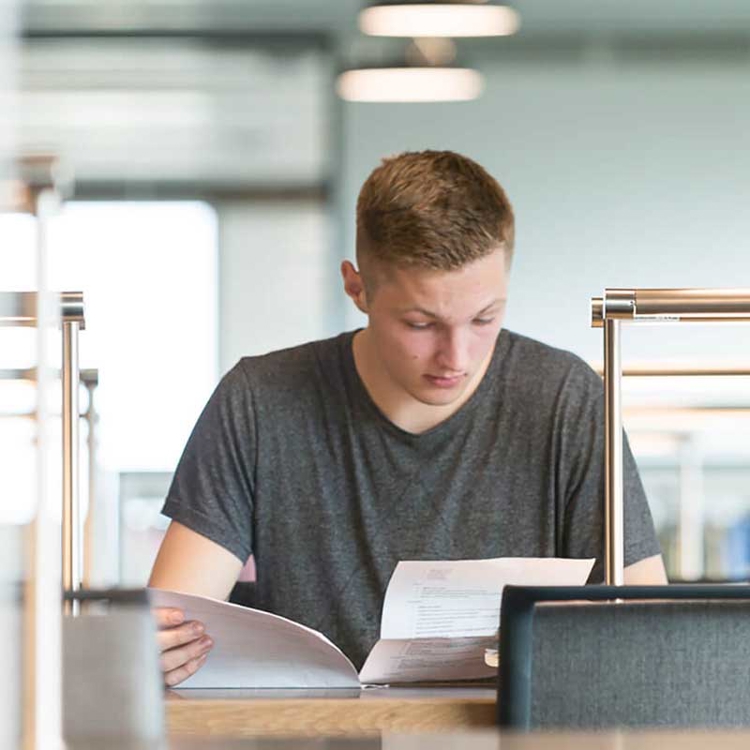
(292, 461)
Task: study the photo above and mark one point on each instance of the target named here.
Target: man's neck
(398, 406)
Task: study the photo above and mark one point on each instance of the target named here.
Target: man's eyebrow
(419, 310)
(494, 303)
(429, 314)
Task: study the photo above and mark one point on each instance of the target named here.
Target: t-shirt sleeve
(582, 478)
(213, 487)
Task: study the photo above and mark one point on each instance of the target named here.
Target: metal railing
(21, 309)
(638, 305)
(90, 380)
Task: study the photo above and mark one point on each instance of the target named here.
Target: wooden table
(476, 740)
(258, 713)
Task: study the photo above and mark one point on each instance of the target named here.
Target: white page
(255, 649)
(440, 616)
(460, 598)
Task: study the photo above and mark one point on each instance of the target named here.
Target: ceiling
(538, 16)
(237, 95)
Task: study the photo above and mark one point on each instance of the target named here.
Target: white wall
(620, 175)
(278, 277)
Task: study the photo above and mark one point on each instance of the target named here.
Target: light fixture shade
(427, 84)
(434, 19)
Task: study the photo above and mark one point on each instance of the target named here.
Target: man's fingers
(179, 636)
(176, 658)
(168, 617)
(183, 645)
(176, 676)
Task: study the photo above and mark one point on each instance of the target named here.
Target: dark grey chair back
(658, 656)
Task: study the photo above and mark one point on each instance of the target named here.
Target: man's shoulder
(542, 380)
(295, 366)
(527, 357)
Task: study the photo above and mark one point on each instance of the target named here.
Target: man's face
(433, 332)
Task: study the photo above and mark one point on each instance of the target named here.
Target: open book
(438, 619)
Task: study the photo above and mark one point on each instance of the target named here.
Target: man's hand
(191, 564)
(183, 645)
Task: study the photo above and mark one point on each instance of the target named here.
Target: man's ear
(354, 286)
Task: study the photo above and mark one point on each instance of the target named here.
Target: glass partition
(11, 534)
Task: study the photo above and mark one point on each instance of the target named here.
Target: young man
(430, 434)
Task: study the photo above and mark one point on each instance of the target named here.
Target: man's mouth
(444, 381)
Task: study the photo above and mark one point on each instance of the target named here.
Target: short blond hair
(432, 209)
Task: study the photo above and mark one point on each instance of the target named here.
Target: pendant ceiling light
(410, 85)
(426, 74)
(437, 18)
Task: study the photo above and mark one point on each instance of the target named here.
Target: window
(148, 272)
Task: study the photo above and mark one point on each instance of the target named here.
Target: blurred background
(214, 168)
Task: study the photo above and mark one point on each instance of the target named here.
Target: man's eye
(483, 321)
(418, 326)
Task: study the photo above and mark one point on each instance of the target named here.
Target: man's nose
(453, 352)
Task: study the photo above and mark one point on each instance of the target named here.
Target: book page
(255, 649)
(461, 598)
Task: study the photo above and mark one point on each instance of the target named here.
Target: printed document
(438, 619)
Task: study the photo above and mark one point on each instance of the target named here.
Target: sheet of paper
(440, 617)
(461, 598)
(255, 649)
(426, 659)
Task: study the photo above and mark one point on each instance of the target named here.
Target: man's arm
(191, 564)
(647, 572)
